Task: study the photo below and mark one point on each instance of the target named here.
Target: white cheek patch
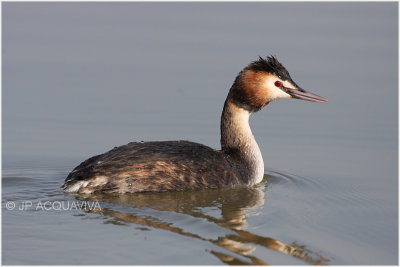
(275, 92)
(278, 93)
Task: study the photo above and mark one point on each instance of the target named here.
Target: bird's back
(155, 166)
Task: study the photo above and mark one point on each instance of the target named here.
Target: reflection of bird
(226, 208)
(183, 165)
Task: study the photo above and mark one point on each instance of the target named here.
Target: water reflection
(225, 209)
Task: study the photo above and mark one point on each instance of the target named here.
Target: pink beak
(304, 95)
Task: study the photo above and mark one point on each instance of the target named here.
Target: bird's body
(184, 165)
(157, 166)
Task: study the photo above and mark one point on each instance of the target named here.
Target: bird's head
(263, 81)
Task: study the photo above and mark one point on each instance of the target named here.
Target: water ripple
(280, 178)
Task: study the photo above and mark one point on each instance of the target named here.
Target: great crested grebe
(184, 165)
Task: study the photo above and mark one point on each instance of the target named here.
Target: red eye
(278, 84)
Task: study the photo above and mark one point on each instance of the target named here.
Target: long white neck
(238, 140)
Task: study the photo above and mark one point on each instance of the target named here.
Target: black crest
(271, 65)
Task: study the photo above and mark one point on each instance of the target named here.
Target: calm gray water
(81, 78)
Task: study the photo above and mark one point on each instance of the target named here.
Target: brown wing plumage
(155, 166)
